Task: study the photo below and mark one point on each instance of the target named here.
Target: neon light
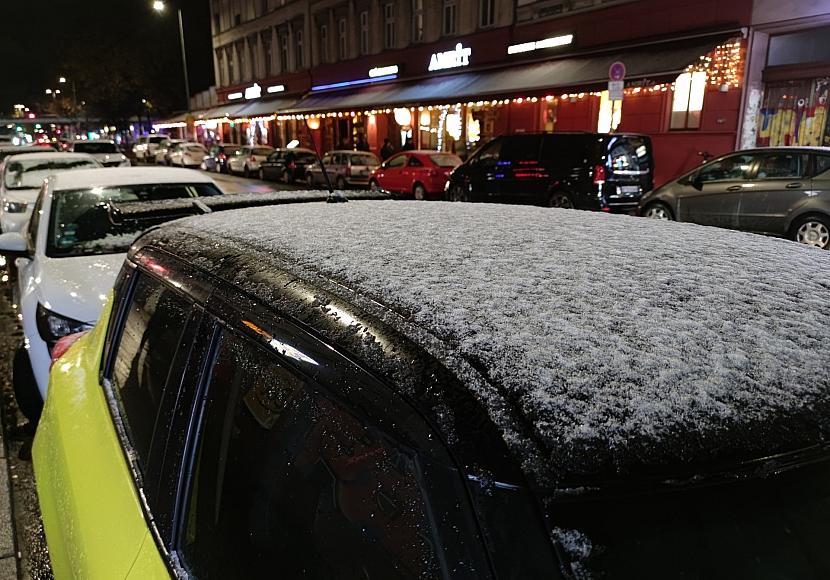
(275, 89)
(234, 96)
(353, 83)
(563, 40)
(457, 57)
(253, 92)
(383, 71)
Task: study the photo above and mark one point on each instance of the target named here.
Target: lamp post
(62, 80)
(160, 6)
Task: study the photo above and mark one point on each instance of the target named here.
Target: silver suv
(345, 169)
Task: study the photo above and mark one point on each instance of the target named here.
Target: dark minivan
(593, 171)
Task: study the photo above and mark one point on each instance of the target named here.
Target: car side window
(734, 167)
(414, 162)
(489, 155)
(782, 165)
(153, 332)
(327, 160)
(287, 478)
(395, 162)
(822, 164)
(522, 148)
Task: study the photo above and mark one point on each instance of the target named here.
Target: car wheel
(374, 186)
(458, 192)
(560, 200)
(813, 231)
(419, 192)
(341, 182)
(25, 387)
(246, 171)
(658, 211)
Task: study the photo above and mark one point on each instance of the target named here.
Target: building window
(300, 52)
(266, 51)
(242, 51)
(486, 12)
(284, 52)
(449, 26)
(417, 20)
(324, 43)
(231, 65)
(252, 58)
(364, 32)
(220, 64)
(689, 89)
(389, 25)
(217, 21)
(263, 7)
(342, 39)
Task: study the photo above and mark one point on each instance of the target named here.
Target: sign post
(616, 81)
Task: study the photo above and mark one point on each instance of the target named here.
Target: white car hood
(76, 287)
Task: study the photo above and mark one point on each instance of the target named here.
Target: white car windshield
(80, 223)
(29, 174)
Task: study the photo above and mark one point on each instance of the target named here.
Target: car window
(521, 148)
(153, 332)
(414, 162)
(822, 164)
(364, 159)
(628, 155)
(734, 167)
(288, 479)
(445, 160)
(489, 154)
(398, 161)
(782, 165)
(567, 150)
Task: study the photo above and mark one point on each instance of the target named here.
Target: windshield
(444, 160)
(769, 526)
(157, 140)
(92, 147)
(80, 223)
(628, 155)
(29, 174)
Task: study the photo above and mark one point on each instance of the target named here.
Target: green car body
(86, 491)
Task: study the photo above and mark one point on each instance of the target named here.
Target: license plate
(628, 189)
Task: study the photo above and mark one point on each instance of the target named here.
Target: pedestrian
(409, 145)
(386, 151)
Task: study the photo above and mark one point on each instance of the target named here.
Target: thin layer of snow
(621, 341)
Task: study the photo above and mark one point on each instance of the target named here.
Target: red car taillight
(63, 345)
(599, 174)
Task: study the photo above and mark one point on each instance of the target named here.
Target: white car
(69, 255)
(188, 155)
(165, 149)
(105, 151)
(22, 178)
(246, 159)
(145, 149)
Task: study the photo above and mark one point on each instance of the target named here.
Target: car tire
(26, 392)
(419, 192)
(658, 211)
(458, 192)
(374, 185)
(812, 230)
(561, 200)
(341, 182)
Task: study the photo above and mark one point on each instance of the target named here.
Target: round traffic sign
(616, 72)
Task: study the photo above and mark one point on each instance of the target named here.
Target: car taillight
(599, 174)
(63, 345)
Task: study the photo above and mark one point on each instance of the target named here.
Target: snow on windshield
(30, 173)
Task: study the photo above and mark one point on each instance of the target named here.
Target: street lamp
(62, 80)
(160, 6)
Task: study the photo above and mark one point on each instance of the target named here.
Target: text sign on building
(253, 92)
(458, 57)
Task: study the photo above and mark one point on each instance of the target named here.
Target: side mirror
(13, 244)
(696, 182)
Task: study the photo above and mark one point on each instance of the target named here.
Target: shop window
(364, 32)
(342, 39)
(687, 104)
(324, 43)
(300, 52)
(486, 12)
(389, 25)
(417, 20)
(610, 114)
(794, 113)
(450, 17)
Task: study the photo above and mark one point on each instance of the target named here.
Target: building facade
(448, 74)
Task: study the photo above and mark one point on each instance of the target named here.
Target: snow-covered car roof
(598, 344)
(125, 176)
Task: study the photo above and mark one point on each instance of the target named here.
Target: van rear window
(629, 155)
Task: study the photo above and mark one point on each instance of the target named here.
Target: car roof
(111, 176)
(53, 155)
(598, 344)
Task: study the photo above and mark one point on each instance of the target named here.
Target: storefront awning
(265, 107)
(229, 110)
(655, 62)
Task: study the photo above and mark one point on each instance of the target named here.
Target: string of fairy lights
(723, 68)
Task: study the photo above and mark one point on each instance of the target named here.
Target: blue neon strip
(353, 83)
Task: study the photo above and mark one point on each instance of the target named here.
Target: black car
(419, 404)
(593, 171)
(217, 157)
(288, 165)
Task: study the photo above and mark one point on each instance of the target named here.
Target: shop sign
(458, 57)
(253, 92)
(275, 89)
(383, 71)
(551, 42)
(234, 96)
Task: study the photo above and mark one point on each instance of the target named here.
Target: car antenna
(319, 159)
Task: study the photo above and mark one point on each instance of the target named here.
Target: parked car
(593, 171)
(165, 150)
(217, 158)
(344, 168)
(22, 179)
(188, 154)
(7, 150)
(105, 151)
(420, 174)
(147, 146)
(69, 255)
(288, 165)
(776, 191)
(246, 159)
(419, 404)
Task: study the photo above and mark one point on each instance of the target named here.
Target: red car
(421, 174)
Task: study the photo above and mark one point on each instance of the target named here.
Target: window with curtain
(389, 25)
(687, 103)
(324, 43)
(342, 39)
(794, 113)
(417, 20)
(364, 32)
(300, 48)
(449, 17)
(486, 12)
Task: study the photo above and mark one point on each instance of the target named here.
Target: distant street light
(160, 6)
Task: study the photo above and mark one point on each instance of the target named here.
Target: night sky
(42, 38)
